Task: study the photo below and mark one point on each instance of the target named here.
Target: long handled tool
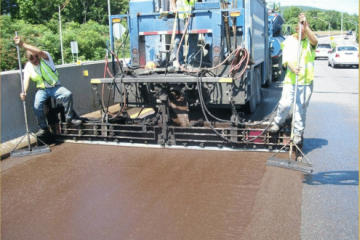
(31, 150)
(305, 165)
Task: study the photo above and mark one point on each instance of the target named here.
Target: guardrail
(72, 76)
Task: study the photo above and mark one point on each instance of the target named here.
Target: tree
(9, 7)
(81, 11)
(91, 38)
(37, 11)
(291, 14)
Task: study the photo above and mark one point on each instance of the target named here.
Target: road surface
(107, 192)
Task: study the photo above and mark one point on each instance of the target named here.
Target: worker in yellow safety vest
(304, 70)
(183, 6)
(41, 69)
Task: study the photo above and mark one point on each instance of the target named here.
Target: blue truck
(191, 75)
(222, 28)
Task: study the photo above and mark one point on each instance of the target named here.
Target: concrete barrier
(71, 76)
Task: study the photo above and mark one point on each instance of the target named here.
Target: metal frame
(204, 137)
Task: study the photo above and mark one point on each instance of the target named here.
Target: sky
(348, 6)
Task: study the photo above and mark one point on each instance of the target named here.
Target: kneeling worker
(305, 73)
(41, 69)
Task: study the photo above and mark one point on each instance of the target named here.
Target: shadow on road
(350, 178)
(313, 143)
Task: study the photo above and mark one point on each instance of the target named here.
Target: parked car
(323, 50)
(344, 55)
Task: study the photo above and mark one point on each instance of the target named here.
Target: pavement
(330, 195)
(97, 192)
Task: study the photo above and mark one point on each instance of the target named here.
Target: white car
(344, 55)
(322, 50)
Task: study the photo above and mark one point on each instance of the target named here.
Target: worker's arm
(311, 36)
(308, 32)
(31, 48)
(26, 86)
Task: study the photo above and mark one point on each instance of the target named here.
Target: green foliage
(91, 38)
(9, 7)
(32, 34)
(80, 11)
(318, 19)
(37, 11)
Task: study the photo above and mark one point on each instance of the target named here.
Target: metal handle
(20, 67)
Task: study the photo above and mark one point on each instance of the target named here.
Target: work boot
(274, 128)
(42, 132)
(74, 122)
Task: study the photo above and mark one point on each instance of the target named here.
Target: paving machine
(190, 78)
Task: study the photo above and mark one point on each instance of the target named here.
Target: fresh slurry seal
(106, 192)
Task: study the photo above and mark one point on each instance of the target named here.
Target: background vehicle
(323, 50)
(344, 56)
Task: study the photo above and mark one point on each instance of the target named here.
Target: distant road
(338, 39)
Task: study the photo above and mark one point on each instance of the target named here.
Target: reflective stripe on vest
(307, 57)
(50, 76)
(184, 6)
(47, 74)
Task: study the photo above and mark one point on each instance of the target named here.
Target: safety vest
(184, 6)
(307, 58)
(47, 74)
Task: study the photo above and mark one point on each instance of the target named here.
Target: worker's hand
(297, 70)
(18, 41)
(302, 20)
(23, 96)
(294, 69)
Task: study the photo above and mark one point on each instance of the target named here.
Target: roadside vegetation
(319, 20)
(86, 21)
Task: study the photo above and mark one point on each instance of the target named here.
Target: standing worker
(183, 6)
(41, 69)
(305, 73)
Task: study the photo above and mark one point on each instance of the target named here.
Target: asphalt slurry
(106, 192)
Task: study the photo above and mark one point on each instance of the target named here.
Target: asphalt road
(330, 195)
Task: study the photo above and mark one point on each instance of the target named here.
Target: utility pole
(111, 41)
(109, 14)
(342, 19)
(61, 42)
